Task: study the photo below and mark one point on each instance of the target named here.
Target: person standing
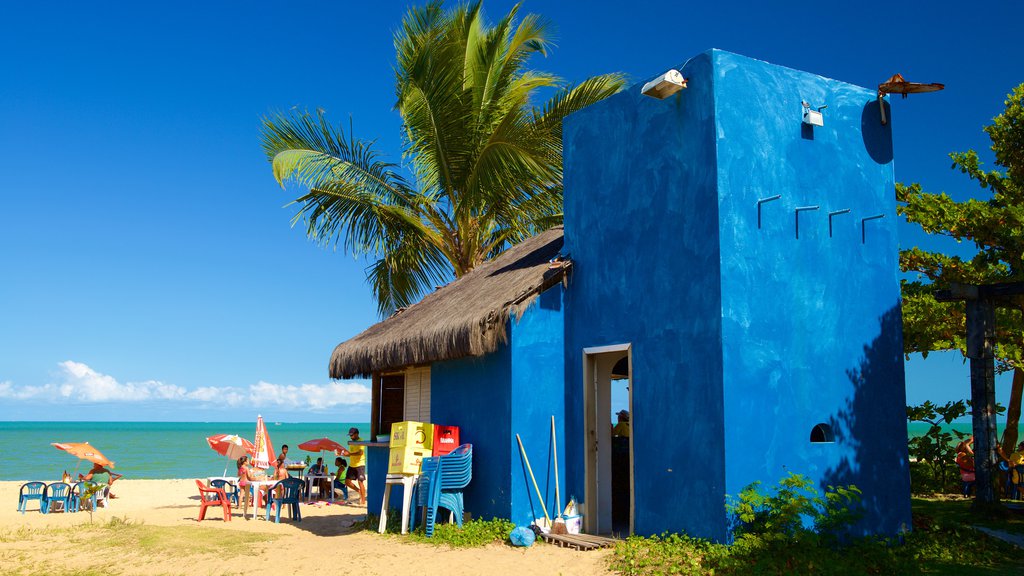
(622, 427)
(355, 476)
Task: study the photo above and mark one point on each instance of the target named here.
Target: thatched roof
(465, 318)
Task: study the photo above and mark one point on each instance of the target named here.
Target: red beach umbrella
(231, 445)
(263, 453)
(319, 445)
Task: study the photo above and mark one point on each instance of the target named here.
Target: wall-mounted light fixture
(813, 117)
(897, 85)
(665, 85)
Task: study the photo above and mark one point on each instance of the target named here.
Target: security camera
(665, 85)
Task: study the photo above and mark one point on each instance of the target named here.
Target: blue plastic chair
(286, 491)
(77, 490)
(56, 493)
(441, 482)
(229, 489)
(30, 491)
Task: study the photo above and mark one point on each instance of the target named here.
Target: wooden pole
(554, 448)
(980, 341)
(535, 487)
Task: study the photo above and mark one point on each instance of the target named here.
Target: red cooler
(446, 439)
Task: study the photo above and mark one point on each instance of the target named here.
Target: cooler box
(406, 459)
(446, 439)
(414, 434)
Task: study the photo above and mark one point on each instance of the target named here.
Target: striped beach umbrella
(231, 445)
(263, 453)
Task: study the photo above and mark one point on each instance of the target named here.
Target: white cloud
(78, 383)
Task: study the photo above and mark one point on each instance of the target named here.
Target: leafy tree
(934, 450)
(996, 227)
(485, 165)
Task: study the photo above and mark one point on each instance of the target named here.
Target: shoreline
(327, 537)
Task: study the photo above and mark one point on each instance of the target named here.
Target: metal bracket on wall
(863, 220)
(762, 201)
(836, 213)
(797, 212)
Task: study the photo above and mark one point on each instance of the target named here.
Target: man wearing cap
(622, 428)
(356, 465)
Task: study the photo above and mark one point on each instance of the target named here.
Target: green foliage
(486, 164)
(946, 546)
(474, 533)
(793, 512)
(996, 227)
(935, 451)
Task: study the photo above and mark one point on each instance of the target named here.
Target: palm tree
(484, 166)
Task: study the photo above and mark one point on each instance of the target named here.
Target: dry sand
(325, 542)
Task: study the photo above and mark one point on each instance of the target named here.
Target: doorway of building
(608, 383)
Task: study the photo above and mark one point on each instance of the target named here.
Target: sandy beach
(151, 528)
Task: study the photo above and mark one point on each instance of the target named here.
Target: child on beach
(339, 478)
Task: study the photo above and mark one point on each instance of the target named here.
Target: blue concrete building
(729, 265)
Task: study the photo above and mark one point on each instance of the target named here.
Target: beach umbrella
(84, 451)
(231, 445)
(321, 444)
(263, 453)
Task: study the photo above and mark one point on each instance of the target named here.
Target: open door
(608, 501)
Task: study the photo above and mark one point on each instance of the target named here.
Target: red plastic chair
(213, 497)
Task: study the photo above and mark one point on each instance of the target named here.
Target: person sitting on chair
(100, 469)
(319, 469)
(339, 478)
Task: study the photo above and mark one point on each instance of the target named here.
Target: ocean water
(174, 449)
(147, 449)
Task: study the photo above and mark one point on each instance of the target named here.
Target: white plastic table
(310, 480)
(407, 482)
(257, 484)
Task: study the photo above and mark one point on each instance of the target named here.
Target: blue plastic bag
(522, 536)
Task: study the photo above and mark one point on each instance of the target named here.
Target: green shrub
(793, 512)
(472, 534)
(778, 538)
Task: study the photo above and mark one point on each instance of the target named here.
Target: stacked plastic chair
(30, 491)
(441, 482)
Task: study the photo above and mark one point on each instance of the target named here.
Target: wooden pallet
(579, 541)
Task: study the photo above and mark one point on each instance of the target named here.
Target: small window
(822, 433)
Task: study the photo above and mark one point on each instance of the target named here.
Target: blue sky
(148, 270)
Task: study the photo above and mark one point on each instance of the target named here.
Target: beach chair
(30, 491)
(213, 497)
(229, 489)
(100, 498)
(77, 491)
(56, 496)
(287, 491)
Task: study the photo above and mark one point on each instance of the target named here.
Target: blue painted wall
(513, 390)
(641, 223)
(743, 338)
(474, 394)
(538, 384)
(811, 326)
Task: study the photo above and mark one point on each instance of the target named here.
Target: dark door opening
(608, 502)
